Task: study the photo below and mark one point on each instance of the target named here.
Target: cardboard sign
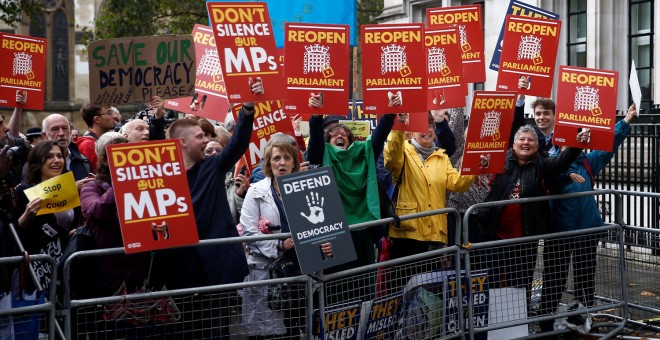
(268, 119)
(246, 47)
(520, 9)
(210, 97)
(489, 129)
(132, 70)
(468, 20)
(530, 51)
(586, 98)
(23, 68)
(152, 194)
(317, 60)
(400, 72)
(58, 193)
(316, 217)
(446, 86)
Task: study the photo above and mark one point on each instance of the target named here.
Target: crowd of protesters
(417, 171)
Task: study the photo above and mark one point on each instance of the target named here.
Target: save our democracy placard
(489, 129)
(153, 199)
(446, 85)
(132, 70)
(530, 51)
(522, 9)
(393, 65)
(316, 61)
(23, 68)
(210, 96)
(586, 98)
(468, 20)
(247, 51)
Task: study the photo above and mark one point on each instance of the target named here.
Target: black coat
(535, 180)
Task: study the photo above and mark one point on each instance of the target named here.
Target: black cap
(33, 132)
(331, 120)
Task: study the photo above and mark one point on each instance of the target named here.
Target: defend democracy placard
(246, 48)
(269, 118)
(586, 98)
(132, 70)
(520, 9)
(446, 85)
(210, 97)
(468, 20)
(316, 62)
(530, 51)
(316, 217)
(153, 199)
(393, 64)
(489, 129)
(23, 69)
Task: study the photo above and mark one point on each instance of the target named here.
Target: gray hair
(108, 138)
(526, 129)
(45, 121)
(279, 137)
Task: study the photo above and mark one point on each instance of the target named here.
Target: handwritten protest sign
(522, 9)
(132, 70)
(401, 71)
(268, 119)
(316, 62)
(246, 48)
(468, 20)
(58, 193)
(23, 68)
(210, 96)
(446, 86)
(152, 194)
(489, 129)
(586, 98)
(530, 51)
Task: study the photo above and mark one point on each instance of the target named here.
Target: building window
(54, 24)
(640, 44)
(577, 33)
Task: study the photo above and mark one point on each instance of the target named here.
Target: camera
(18, 151)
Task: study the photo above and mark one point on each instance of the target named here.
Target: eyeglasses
(210, 151)
(336, 133)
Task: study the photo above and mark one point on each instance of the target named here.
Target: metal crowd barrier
(35, 317)
(419, 296)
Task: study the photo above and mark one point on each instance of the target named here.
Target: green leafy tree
(12, 10)
(368, 10)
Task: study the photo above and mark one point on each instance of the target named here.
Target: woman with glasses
(354, 167)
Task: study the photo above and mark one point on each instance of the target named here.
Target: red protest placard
(446, 86)
(530, 51)
(393, 65)
(586, 98)
(468, 20)
(152, 194)
(489, 129)
(417, 122)
(23, 69)
(268, 119)
(210, 98)
(317, 60)
(246, 47)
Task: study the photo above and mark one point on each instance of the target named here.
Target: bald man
(136, 130)
(56, 127)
